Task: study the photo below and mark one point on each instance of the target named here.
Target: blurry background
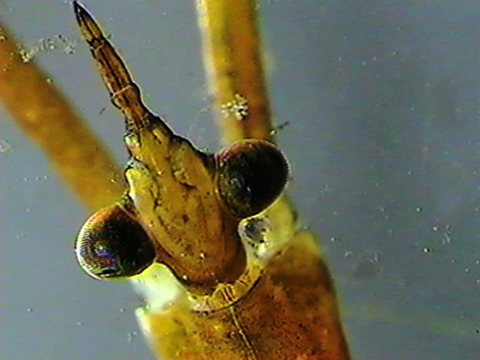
(382, 98)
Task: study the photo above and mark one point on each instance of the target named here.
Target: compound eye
(251, 174)
(113, 245)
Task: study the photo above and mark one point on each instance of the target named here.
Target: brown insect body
(289, 313)
(230, 301)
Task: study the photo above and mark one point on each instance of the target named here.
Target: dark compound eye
(113, 245)
(251, 174)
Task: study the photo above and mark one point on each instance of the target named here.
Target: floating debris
(4, 146)
(238, 107)
(46, 45)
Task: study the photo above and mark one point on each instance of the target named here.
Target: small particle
(131, 336)
(29, 310)
(326, 189)
(279, 128)
(238, 107)
(419, 209)
(435, 228)
(68, 45)
(80, 323)
(40, 177)
(447, 238)
(4, 146)
(427, 250)
(122, 310)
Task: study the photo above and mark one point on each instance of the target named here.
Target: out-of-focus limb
(46, 117)
(231, 47)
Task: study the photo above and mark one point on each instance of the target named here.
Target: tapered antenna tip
(77, 7)
(87, 23)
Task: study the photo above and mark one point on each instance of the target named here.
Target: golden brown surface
(290, 310)
(233, 63)
(290, 314)
(171, 183)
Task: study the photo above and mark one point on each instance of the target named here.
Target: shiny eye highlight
(251, 174)
(113, 245)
